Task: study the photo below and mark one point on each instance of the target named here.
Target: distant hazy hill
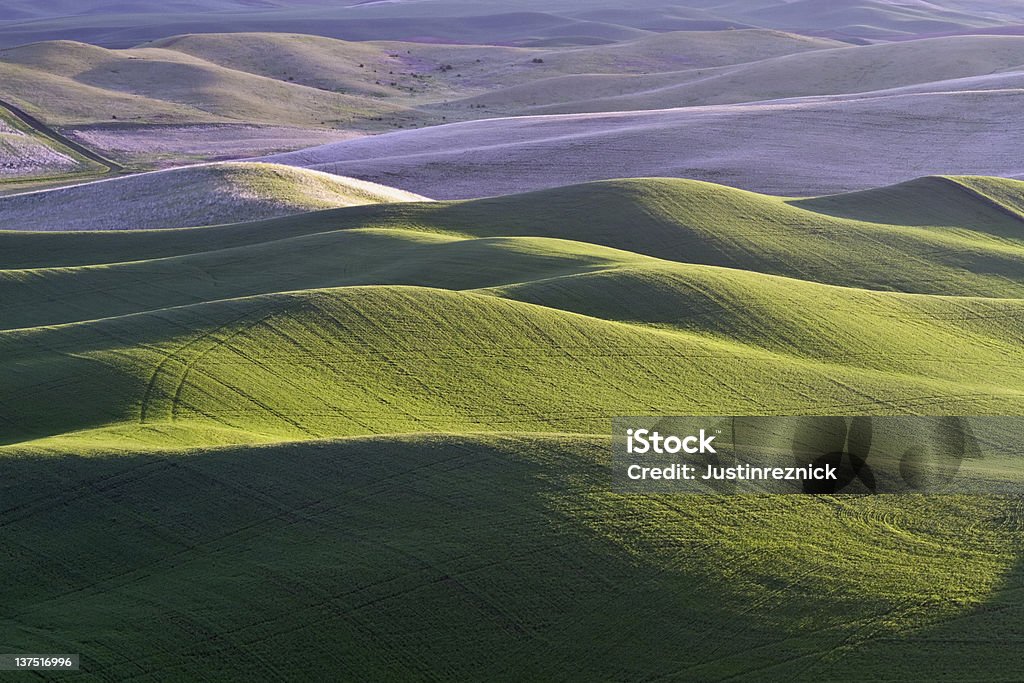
(67, 83)
(524, 22)
(313, 81)
(136, 105)
(927, 64)
(866, 18)
(499, 25)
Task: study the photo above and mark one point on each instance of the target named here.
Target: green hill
(389, 359)
(967, 242)
(850, 240)
(373, 439)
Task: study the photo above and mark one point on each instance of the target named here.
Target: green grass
(491, 557)
(370, 442)
(370, 360)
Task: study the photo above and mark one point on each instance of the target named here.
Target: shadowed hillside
(428, 554)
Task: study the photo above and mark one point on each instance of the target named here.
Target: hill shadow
(448, 556)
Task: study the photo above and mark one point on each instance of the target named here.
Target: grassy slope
(284, 367)
(214, 296)
(69, 83)
(711, 224)
(495, 549)
(212, 77)
(334, 64)
(314, 61)
(310, 80)
(499, 557)
(216, 193)
(970, 245)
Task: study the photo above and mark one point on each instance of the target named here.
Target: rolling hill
(270, 419)
(867, 18)
(931, 65)
(224, 96)
(417, 555)
(502, 25)
(382, 428)
(333, 64)
(190, 378)
(310, 80)
(725, 275)
(800, 146)
(190, 196)
(217, 97)
(67, 83)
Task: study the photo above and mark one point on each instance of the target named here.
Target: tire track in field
(52, 134)
(173, 356)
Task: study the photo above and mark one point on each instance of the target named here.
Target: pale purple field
(805, 117)
(203, 194)
(162, 145)
(22, 156)
(803, 146)
(506, 21)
